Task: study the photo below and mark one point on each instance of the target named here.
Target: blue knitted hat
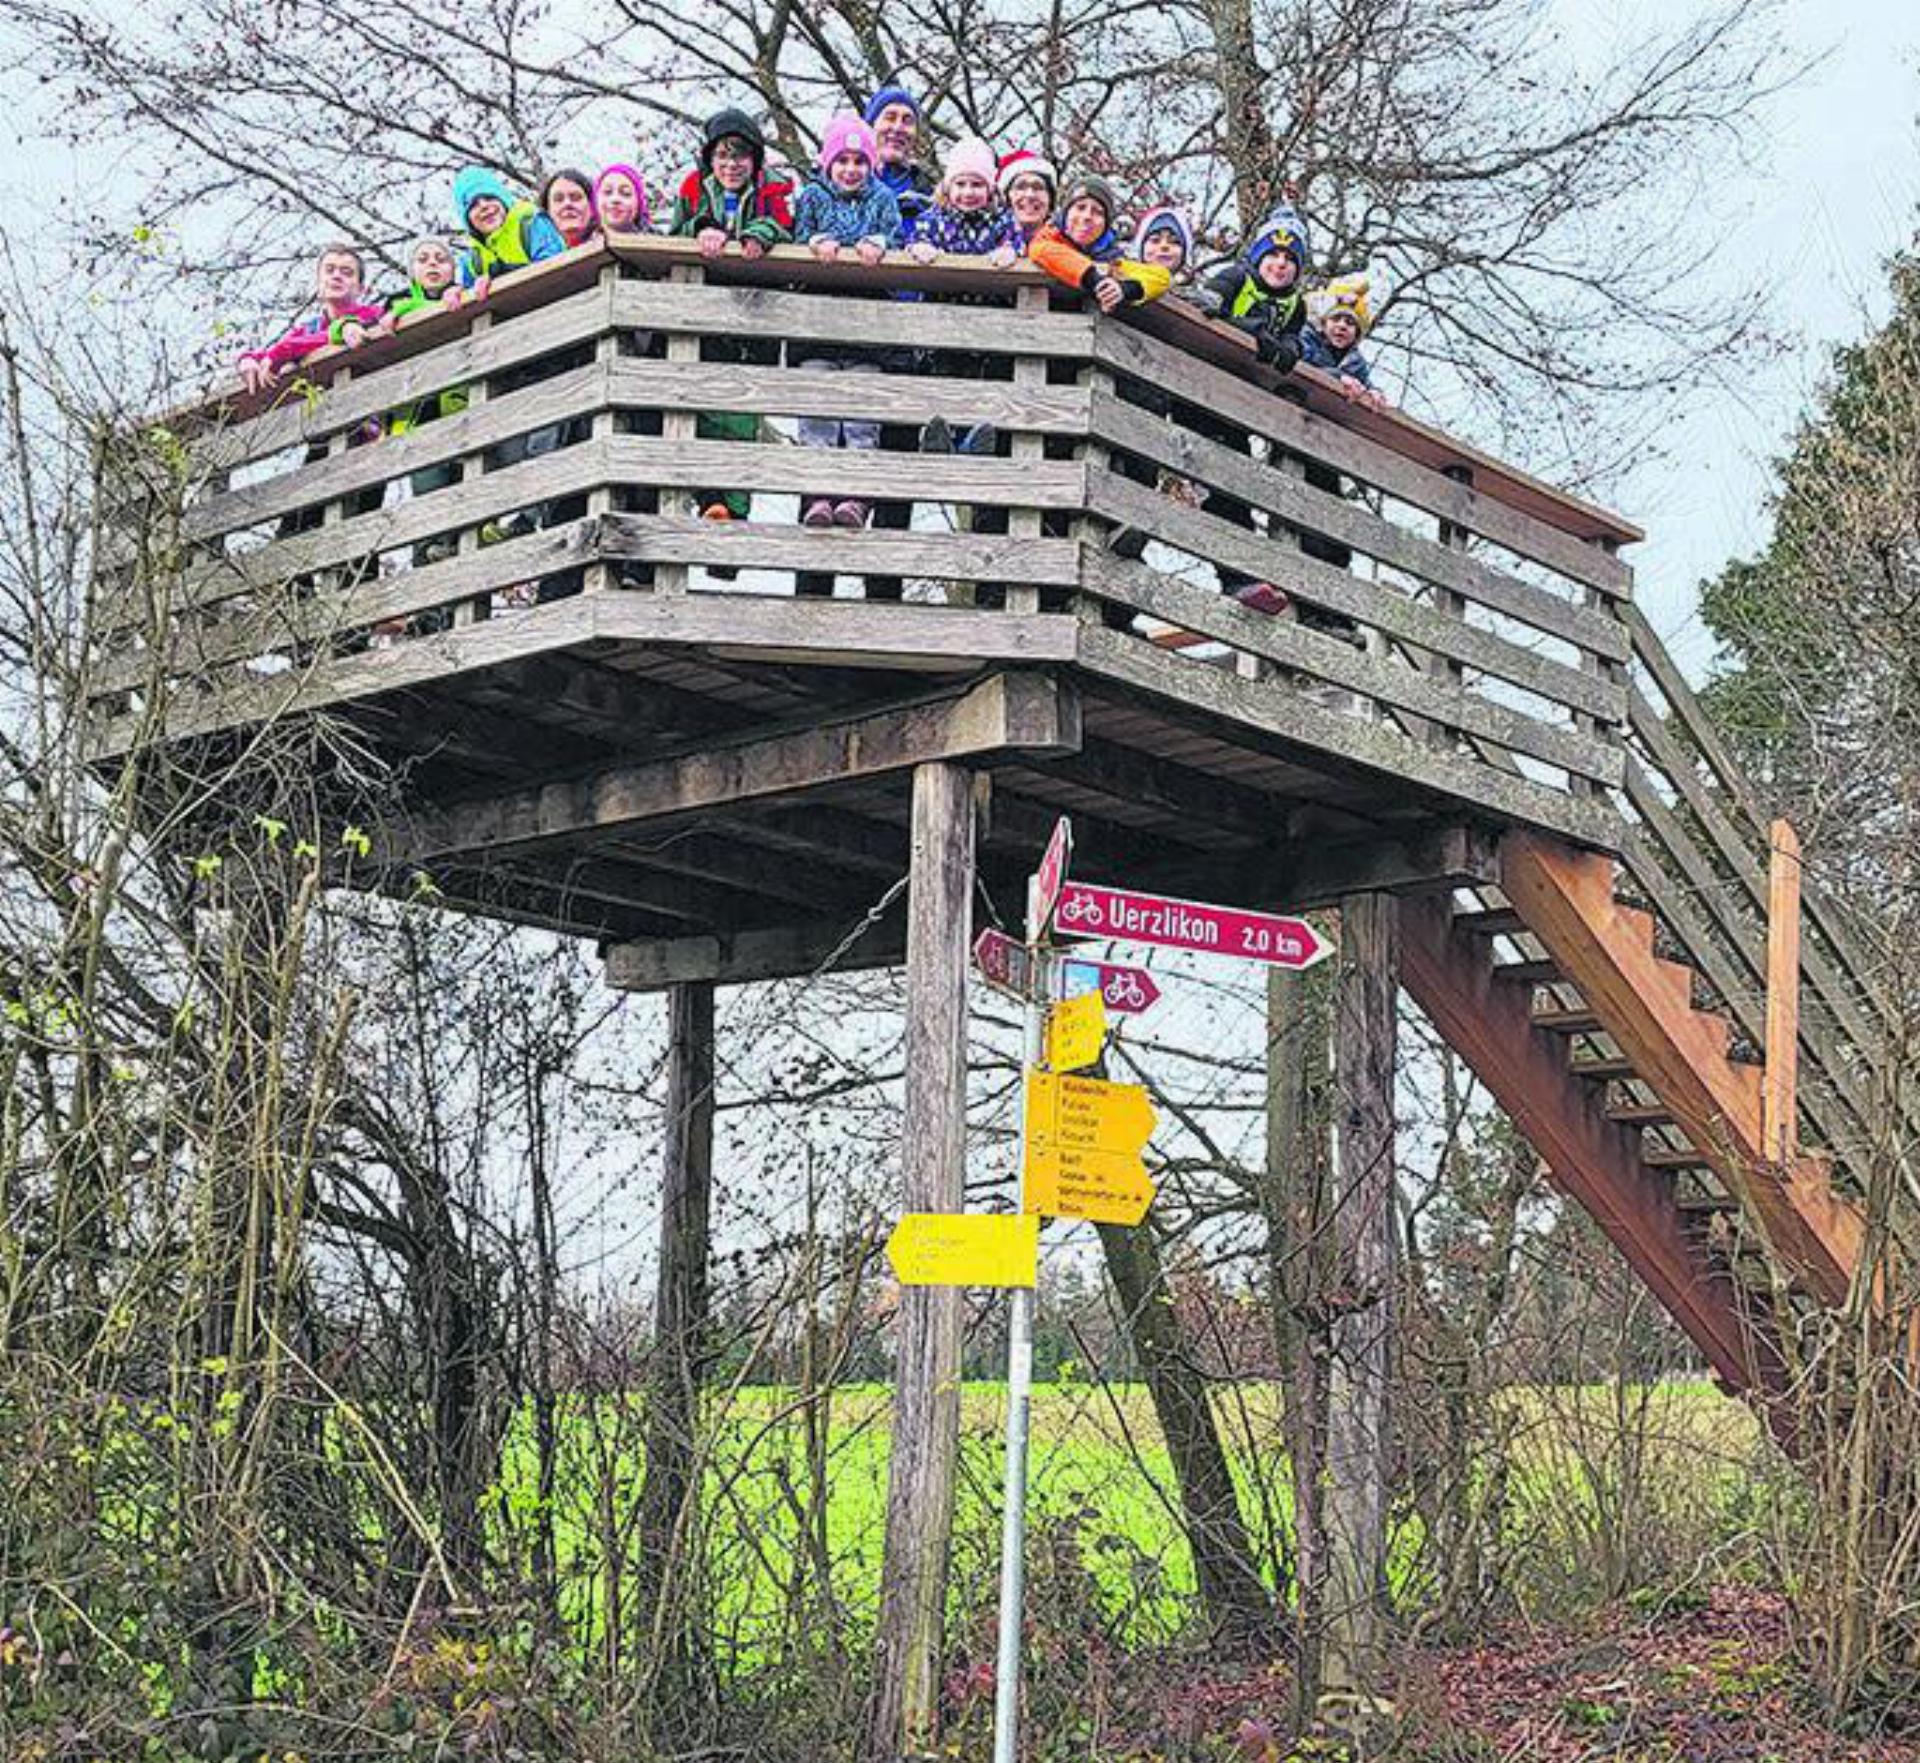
(890, 95)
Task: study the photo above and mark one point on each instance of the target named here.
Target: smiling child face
(486, 214)
(1163, 248)
(619, 203)
(1341, 329)
(1279, 271)
(1086, 220)
(848, 172)
(732, 163)
(969, 193)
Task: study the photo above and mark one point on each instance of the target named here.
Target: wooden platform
(698, 747)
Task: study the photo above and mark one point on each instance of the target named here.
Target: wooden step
(1489, 921)
(1526, 973)
(1667, 1157)
(1640, 1114)
(1573, 1019)
(1600, 1067)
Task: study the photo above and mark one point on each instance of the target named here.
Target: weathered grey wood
(794, 951)
(1323, 657)
(1291, 497)
(1320, 584)
(1010, 712)
(917, 638)
(1359, 1443)
(581, 391)
(456, 361)
(817, 318)
(909, 1640)
(1819, 914)
(648, 384)
(666, 1548)
(1133, 351)
(1295, 717)
(1834, 996)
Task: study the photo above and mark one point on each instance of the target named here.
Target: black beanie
(731, 122)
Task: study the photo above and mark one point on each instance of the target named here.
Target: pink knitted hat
(1022, 162)
(847, 133)
(971, 157)
(643, 221)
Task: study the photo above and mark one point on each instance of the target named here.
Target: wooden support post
(679, 425)
(1779, 1130)
(1092, 532)
(903, 1711)
(1358, 1446)
(1029, 374)
(472, 469)
(669, 1632)
(598, 577)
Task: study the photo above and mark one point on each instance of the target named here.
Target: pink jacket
(309, 336)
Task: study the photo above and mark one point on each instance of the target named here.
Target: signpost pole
(1013, 1533)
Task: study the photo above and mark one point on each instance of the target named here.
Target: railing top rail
(1173, 320)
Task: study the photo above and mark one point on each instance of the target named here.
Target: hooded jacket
(1165, 219)
(525, 236)
(762, 211)
(1081, 266)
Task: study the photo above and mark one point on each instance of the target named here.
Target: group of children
(869, 196)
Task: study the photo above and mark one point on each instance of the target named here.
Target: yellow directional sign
(1076, 1031)
(965, 1249)
(1083, 1148)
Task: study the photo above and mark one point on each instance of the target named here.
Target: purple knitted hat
(643, 221)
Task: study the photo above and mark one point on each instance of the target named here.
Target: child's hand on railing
(353, 333)
(455, 297)
(1374, 400)
(1108, 294)
(752, 248)
(1352, 390)
(923, 251)
(257, 373)
(871, 251)
(824, 246)
(482, 287)
(1004, 258)
(712, 241)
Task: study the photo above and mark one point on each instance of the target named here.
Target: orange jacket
(1066, 262)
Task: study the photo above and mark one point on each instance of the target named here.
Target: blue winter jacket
(1316, 351)
(872, 212)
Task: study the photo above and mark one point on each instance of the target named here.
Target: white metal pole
(1013, 1530)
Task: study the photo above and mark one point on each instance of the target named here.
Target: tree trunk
(1238, 1604)
(674, 1659)
(904, 1710)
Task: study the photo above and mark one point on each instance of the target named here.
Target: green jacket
(763, 211)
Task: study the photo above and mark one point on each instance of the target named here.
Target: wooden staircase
(1592, 1043)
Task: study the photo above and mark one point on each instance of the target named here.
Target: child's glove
(1278, 351)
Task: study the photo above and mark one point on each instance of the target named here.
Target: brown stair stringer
(1565, 897)
(1595, 1162)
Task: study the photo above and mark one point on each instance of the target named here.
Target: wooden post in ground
(672, 1654)
(1779, 1108)
(1366, 997)
(926, 1410)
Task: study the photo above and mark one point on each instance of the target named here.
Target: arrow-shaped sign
(1004, 964)
(965, 1249)
(1127, 990)
(1090, 911)
(1083, 1148)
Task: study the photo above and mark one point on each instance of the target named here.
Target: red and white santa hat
(1024, 162)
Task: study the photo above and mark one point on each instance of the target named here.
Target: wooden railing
(1463, 619)
(1460, 625)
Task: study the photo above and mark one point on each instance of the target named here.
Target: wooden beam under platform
(1008, 713)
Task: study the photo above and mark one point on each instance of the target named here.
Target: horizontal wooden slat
(1326, 658)
(1319, 584)
(1375, 746)
(832, 631)
(1292, 498)
(1235, 400)
(374, 390)
(875, 323)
